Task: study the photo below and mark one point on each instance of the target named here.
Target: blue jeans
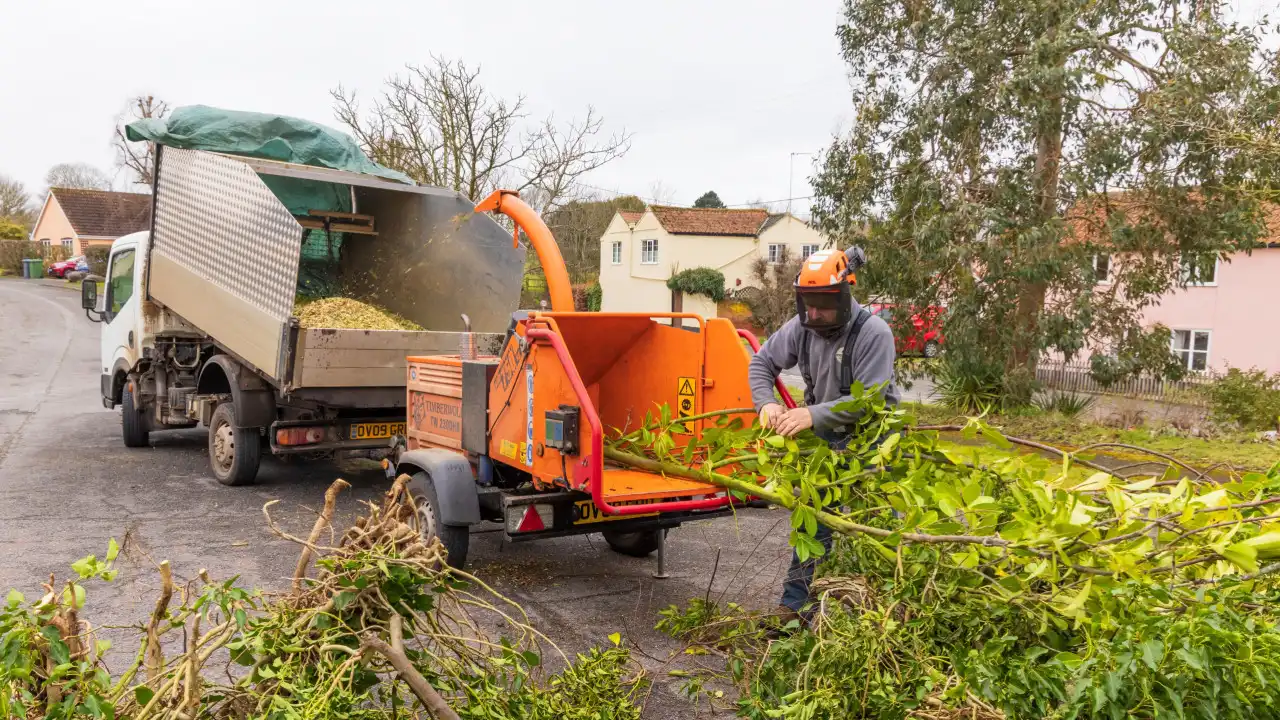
(795, 589)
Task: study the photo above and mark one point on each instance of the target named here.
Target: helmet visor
(824, 309)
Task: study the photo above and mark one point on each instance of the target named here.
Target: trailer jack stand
(661, 574)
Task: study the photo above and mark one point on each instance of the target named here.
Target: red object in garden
(60, 269)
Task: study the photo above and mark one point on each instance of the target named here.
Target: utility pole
(791, 164)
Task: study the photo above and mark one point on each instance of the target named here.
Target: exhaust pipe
(467, 345)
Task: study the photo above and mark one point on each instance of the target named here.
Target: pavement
(68, 484)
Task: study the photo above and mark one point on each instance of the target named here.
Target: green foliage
(994, 181)
(974, 389)
(10, 230)
(595, 297)
(704, 281)
(95, 256)
(1068, 405)
(708, 199)
(1248, 398)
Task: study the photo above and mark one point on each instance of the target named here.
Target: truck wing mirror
(89, 299)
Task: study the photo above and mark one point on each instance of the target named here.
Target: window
(1201, 270)
(775, 254)
(44, 242)
(1102, 268)
(648, 252)
(807, 250)
(616, 256)
(119, 281)
(1192, 348)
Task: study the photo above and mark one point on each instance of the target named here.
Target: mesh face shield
(824, 309)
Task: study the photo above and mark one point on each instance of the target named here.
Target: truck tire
(456, 539)
(132, 422)
(636, 544)
(234, 453)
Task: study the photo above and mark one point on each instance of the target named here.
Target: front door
(119, 304)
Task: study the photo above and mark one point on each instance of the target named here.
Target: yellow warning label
(524, 456)
(508, 449)
(684, 397)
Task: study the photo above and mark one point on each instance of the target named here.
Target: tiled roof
(710, 221)
(630, 217)
(102, 213)
(772, 220)
(1087, 220)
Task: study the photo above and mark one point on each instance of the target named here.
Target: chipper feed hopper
(518, 438)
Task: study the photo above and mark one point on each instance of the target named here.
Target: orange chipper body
(566, 380)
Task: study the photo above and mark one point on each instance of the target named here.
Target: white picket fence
(1075, 377)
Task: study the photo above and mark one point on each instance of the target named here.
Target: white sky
(717, 93)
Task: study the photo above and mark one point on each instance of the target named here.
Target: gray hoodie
(873, 356)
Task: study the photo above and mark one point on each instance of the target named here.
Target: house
(639, 251)
(74, 219)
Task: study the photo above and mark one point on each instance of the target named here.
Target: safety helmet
(823, 299)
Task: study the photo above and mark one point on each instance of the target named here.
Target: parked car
(82, 266)
(914, 333)
(60, 269)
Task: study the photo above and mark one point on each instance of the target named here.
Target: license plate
(373, 431)
(585, 511)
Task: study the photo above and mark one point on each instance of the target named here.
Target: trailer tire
(133, 424)
(234, 453)
(456, 539)
(636, 544)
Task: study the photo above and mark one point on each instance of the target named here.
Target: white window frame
(615, 252)
(1106, 276)
(807, 250)
(774, 253)
(649, 251)
(1187, 356)
(1185, 270)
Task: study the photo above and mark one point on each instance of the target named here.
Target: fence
(1076, 377)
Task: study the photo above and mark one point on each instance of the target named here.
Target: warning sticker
(508, 449)
(684, 397)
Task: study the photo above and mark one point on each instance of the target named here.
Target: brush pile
(345, 313)
(384, 629)
(1025, 588)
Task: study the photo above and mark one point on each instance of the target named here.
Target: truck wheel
(931, 349)
(234, 453)
(635, 544)
(455, 539)
(134, 425)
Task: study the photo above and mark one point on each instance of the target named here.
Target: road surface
(68, 484)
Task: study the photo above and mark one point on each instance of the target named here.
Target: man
(835, 341)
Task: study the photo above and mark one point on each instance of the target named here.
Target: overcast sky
(717, 94)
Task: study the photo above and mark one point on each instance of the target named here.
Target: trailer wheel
(234, 453)
(635, 544)
(456, 539)
(132, 422)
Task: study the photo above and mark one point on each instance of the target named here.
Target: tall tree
(440, 125)
(138, 158)
(77, 175)
(578, 227)
(15, 203)
(709, 199)
(999, 146)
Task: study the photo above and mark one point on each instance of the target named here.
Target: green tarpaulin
(260, 135)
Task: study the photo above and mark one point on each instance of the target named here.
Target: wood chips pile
(345, 313)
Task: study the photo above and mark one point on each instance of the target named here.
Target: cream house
(74, 219)
(640, 250)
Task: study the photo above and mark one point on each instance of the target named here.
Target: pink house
(1225, 318)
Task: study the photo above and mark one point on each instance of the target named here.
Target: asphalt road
(68, 484)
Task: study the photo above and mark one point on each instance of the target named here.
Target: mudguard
(454, 482)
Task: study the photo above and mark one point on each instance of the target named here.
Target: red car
(60, 269)
(919, 333)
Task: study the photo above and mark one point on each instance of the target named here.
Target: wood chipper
(518, 438)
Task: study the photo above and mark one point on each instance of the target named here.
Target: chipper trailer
(518, 438)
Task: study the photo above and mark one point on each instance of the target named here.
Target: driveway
(67, 484)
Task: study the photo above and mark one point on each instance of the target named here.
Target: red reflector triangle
(531, 521)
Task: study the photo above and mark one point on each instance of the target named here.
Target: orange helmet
(823, 300)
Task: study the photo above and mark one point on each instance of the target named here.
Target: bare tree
(438, 124)
(772, 295)
(661, 193)
(15, 203)
(77, 175)
(137, 157)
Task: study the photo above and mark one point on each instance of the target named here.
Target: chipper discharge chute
(519, 438)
